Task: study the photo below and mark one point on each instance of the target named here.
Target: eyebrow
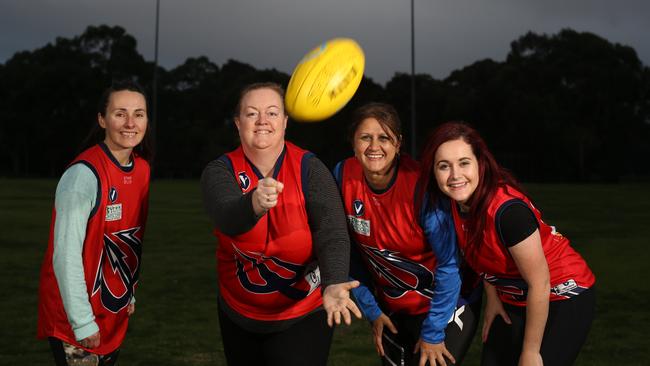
(126, 109)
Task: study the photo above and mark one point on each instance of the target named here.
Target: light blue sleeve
(439, 229)
(367, 302)
(75, 199)
(363, 294)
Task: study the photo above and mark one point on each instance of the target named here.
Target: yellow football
(325, 80)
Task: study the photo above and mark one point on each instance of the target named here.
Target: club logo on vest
(112, 194)
(357, 207)
(244, 181)
(118, 269)
(260, 274)
(400, 274)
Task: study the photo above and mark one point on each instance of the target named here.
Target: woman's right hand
(265, 197)
(493, 307)
(91, 342)
(378, 329)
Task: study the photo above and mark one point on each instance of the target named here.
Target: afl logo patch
(244, 181)
(357, 207)
(112, 194)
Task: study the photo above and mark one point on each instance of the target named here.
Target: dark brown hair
(384, 113)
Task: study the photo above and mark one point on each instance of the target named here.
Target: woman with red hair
(541, 299)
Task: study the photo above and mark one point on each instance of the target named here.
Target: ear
(101, 121)
(398, 143)
(237, 122)
(286, 118)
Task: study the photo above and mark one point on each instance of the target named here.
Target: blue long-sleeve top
(438, 227)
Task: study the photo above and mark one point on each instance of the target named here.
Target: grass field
(176, 314)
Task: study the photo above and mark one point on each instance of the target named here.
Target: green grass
(176, 314)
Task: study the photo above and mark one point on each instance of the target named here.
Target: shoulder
(337, 172)
(221, 165)
(80, 177)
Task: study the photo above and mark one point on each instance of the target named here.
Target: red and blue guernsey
(397, 246)
(266, 273)
(569, 273)
(111, 251)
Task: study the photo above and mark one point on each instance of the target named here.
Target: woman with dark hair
(406, 258)
(283, 249)
(540, 291)
(92, 262)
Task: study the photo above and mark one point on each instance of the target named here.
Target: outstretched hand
(435, 353)
(493, 308)
(378, 325)
(337, 303)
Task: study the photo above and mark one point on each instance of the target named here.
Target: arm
(229, 210)
(74, 201)
(331, 242)
(363, 294)
(439, 228)
(493, 307)
(531, 262)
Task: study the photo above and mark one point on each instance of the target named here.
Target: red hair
(491, 175)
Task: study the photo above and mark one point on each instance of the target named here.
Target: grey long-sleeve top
(231, 212)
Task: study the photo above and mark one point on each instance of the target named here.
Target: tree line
(570, 106)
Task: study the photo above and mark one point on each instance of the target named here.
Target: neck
(123, 156)
(264, 160)
(380, 180)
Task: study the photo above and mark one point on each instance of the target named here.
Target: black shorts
(307, 342)
(566, 330)
(459, 333)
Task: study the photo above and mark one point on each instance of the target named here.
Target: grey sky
(450, 34)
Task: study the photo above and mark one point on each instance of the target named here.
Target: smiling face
(261, 121)
(456, 170)
(125, 121)
(374, 147)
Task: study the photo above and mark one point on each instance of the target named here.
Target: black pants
(566, 330)
(60, 359)
(305, 343)
(458, 335)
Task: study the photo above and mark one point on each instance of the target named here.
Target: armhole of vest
(304, 173)
(98, 199)
(226, 160)
(338, 174)
(497, 217)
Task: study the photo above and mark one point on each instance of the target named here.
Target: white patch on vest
(565, 287)
(114, 212)
(313, 279)
(359, 226)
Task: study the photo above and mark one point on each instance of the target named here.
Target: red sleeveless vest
(392, 243)
(111, 252)
(569, 273)
(268, 273)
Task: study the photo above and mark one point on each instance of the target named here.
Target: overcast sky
(449, 34)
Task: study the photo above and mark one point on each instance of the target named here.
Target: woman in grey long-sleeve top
(283, 247)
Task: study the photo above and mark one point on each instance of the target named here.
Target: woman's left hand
(131, 309)
(435, 353)
(337, 303)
